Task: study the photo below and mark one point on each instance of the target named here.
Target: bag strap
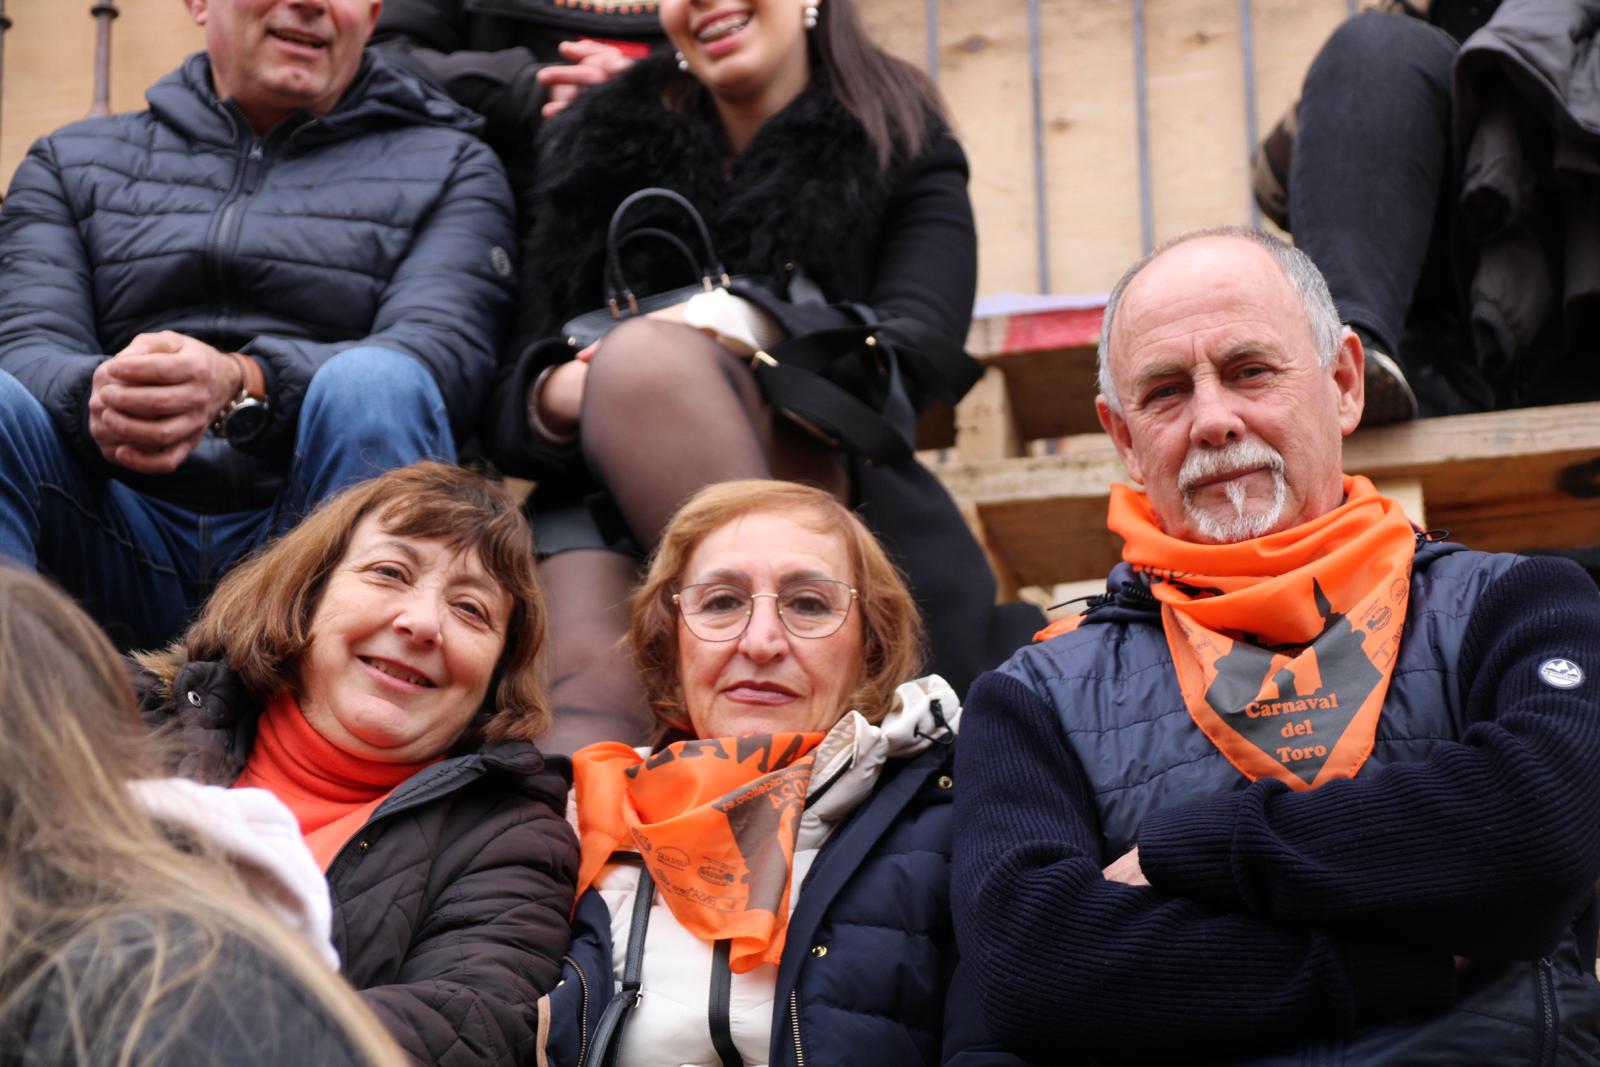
(608, 1031)
(655, 233)
(718, 1012)
(794, 378)
(617, 289)
(849, 422)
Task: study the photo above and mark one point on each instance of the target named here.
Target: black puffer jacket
(384, 222)
(450, 907)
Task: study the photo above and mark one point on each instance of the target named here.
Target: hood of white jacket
(261, 836)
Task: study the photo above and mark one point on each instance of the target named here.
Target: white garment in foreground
(262, 836)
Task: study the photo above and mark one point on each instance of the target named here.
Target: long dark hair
(894, 101)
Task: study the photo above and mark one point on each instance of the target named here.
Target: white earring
(811, 16)
(683, 64)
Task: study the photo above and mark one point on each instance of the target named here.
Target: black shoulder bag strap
(798, 377)
(718, 1013)
(608, 1032)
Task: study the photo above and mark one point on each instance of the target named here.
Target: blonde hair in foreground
(120, 920)
(891, 627)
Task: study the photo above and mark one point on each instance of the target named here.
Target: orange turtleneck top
(330, 791)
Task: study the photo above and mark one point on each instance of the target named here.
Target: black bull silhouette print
(1347, 675)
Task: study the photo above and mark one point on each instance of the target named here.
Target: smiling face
(404, 643)
(273, 57)
(744, 51)
(768, 680)
(1228, 417)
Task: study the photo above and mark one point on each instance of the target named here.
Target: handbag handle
(617, 288)
(608, 1031)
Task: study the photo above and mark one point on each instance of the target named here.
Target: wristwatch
(245, 416)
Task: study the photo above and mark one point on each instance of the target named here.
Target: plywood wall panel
(983, 72)
(900, 26)
(49, 63)
(1199, 151)
(1091, 142)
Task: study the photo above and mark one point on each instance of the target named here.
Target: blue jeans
(142, 566)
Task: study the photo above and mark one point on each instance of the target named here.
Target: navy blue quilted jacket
(1283, 927)
(868, 975)
(385, 222)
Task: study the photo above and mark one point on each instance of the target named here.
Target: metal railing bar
(1247, 58)
(1142, 98)
(931, 17)
(103, 13)
(5, 24)
(1041, 181)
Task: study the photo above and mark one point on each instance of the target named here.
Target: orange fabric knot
(715, 822)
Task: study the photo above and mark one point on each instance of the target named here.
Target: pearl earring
(683, 64)
(811, 16)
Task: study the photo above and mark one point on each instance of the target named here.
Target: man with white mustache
(1304, 781)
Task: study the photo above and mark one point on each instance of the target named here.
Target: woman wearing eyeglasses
(770, 884)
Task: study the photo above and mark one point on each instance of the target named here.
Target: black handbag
(622, 302)
(847, 385)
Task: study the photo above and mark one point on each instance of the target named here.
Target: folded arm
(1486, 848)
(1061, 954)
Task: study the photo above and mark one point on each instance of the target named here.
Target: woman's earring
(811, 16)
(683, 64)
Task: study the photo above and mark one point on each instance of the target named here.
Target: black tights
(666, 410)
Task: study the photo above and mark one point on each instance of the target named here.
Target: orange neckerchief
(714, 820)
(1283, 645)
(331, 792)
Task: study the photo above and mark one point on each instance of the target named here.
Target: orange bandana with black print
(1283, 645)
(715, 821)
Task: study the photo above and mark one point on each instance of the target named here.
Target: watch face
(249, 419)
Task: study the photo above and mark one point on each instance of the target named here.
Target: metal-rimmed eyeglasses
(807, 607)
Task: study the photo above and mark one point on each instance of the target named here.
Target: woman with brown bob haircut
(378, 670)
(126, 937)
(781, 860)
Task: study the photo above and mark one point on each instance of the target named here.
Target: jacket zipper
(1546, 983)
(228, 227)
(794, 1023)
(583, 1010)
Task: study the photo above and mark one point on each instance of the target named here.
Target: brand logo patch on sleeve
(1561, 673)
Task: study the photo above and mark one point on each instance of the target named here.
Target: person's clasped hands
(150, 404)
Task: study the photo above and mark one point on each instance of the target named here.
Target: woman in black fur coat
(825, 171)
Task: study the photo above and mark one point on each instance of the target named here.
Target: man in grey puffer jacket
(290, 273)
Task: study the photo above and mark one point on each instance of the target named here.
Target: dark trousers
(1372, 192)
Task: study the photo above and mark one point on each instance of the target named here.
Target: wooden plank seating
(1038, 384)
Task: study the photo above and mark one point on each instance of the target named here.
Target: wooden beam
(986, 427)
(1499, 481)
